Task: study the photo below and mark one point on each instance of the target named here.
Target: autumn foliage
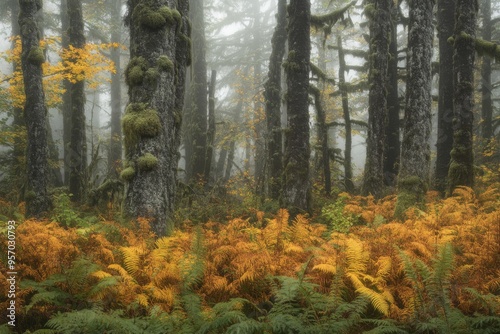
(436, 272)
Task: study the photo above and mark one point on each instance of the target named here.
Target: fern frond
(357, 257)
(98, 291)
(131, 259)
(384, 264)
(378, 300)
(142, 300)
(100, 274)
(325, 268)
(123, 273)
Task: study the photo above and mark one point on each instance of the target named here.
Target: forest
(250, 166)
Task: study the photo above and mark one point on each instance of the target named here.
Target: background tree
(486, 84)
(32, 58)
(296, 193)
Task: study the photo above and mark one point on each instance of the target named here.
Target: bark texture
(66, 97)
(380, 27)
(446, 24)
(487, 102)
(78, 144)
(415, 151)
(211, 126)
(461, 172)
(272, 95)
(159, 53)
(32, 58)
(296, 194)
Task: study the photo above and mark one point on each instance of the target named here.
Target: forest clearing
(258, 166)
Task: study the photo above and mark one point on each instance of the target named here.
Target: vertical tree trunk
(461, 172)
(32, 58)
(487, 103)
(296, 195)
(66, 97)
(380, 27)
(446, 24)
(78, 144)
(415, 151)
(272, 96)
(211, 125)
(323, 138)
(392, 142)
(115, 144)
(349, 185)
(159, 51)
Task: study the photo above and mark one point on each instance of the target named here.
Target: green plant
(333, 215)
(64, 213)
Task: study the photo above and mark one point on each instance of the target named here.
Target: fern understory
(351, 269)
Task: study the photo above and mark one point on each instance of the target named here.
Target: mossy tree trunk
(211, 126)
(349, 184)
(487, 102)
(322, 138)
(446, 24)
(392, 143)
(35, 112)
(78, 144)
(272, 96)
(159, 53)
(66, 96)
(415, 150)
(296, 193)
(197, 120)
(115, 143)
(380, 27)
(461, 172)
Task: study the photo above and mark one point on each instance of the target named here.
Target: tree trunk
(415, 151)
(323, 138)
(211, 126)
(66, 96)
(32, 58)
(78, 144)
(380, 27)
(296, 195)
(349, 185)
(159, 51)
(487, 104)
(392, 142)
(272, 96)
(115, 144)
(461, 172)
(446, 24)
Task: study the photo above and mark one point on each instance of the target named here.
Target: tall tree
(32, 58)
(66, 96)
(487, 101)
(296, 193)
(461, 172)
(446, 24)
(78, 143)
(380, 26)
(415, 151)
(159, 50)
(272, 96)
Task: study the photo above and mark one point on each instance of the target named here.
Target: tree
(272, 96)
(415, 151)
(78, 143)
(159, 53)
(296, 193)
(380, 26)
(446, 23)
(487, 102)
(32, 58)
(461, 172)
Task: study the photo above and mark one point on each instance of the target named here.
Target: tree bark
(78, 144)
(461, 172)
(272, 96)
(296, 194)
(380, 27)
(66, 96)
(415, 150)
(211, 125)
(487, 103)
(159, 53)
(446, 24)
(323, 139)
(32, 58)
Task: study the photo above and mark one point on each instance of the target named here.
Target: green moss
(165, 64)
(151, 75)
(147, 162)
(178, 117)
(411, 193)
(134, 74)
(36, 56)
(128, 173)
(186, 44)
(139, 122)
(370, 11)
(30, 195)
(155, 19)
(148, 123)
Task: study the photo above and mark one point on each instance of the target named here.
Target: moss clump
(128, 173)
(139, 121)
(151, 75)
(370, 11)
(30, 195)
(147, 162)
(165, 64)
(134, 74)
(36, 56)
(155, 19)
(176, 15)
(185, 44)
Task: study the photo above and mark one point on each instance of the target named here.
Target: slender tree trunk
(219, 171)
(296, 195)
(415, 151)
(232, 144)
(323, 137)
(66, 96)
(349, 185)
(461, 172)
(392, 142)
(115, 144)
(487, 103)
(380, 27)
(78, 144)
(159, 53)
(272, 96)
(211, 125)
(446, 24)
(32, 58)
